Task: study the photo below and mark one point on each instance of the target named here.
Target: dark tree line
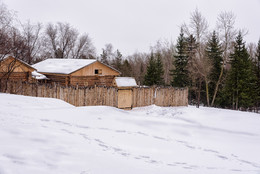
(218, 74)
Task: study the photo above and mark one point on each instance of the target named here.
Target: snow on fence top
(125, 82)
(62, 66)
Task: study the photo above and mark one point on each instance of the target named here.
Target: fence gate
(125, 98)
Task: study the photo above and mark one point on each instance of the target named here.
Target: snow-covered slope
(40, 136)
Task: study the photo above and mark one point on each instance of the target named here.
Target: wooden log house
(77, 72)
(15, 70)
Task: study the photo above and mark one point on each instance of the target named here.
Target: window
(98, 71)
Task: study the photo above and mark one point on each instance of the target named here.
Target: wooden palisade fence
(98, 95)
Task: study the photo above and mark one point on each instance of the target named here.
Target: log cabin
(15, 70)
(77, 72)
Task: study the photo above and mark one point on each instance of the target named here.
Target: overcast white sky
(135, 25)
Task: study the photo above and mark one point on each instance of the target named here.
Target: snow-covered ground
(49, 136)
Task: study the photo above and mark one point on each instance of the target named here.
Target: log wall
(16, 76)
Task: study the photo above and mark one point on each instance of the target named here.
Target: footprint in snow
(82, 127)
(153, 161)
(160, 138)
(145, 157)
(85, 172)
(191, 147)
(99, 141)
(125, 154)
(120, 131)
(67, 131)
(62, 122)
(209, 150)
(15, 159)
(45, 120)
(250, 163)
(236, 170)
(141, 133)
(117, 149)
(222, 157)
(84, 136)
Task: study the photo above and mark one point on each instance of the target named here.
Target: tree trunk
(237, 100)
(198, 96)
(217, 85)
(233, 102)
(207, 91)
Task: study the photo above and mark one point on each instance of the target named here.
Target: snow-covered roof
(38, 76)
(62, 66)
(125, 82)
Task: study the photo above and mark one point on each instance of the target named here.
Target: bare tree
(198, 27)
(251, 47)
(199, 65)
(107, 54)
(84, 48)
(227, 32)
(138, 62)
(31, 34)
(6, 20)
(19, 48)
(62, 39)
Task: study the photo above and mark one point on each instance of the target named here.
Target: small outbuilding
(125, 91)
(15, 70)
(81, 72)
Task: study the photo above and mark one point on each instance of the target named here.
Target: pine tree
(241, 80)
(126, 69)
(104, 57)
(180, 73)
(257, 70)
(159, 70)
(194, 83)
(117, 62)
(155, 71)
(214, 53)
(150, 76)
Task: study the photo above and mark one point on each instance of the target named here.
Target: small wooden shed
(14, 69)
(81, 72)
(125, 91)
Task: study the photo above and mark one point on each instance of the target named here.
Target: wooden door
(125, 98)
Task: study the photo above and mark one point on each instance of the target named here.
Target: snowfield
(49, 136)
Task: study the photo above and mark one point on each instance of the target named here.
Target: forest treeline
(217, 65)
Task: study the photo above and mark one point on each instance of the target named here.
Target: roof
(125, 81)
(26, 64)
(62, 66)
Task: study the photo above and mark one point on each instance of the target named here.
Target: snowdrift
(42, 135)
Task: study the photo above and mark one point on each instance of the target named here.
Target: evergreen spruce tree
(257, 70)
(154, 73)
(104, 57)
(159, 70)
(241, 81)
(214, 53)
(126, 69)
(117, 63)
(180, 74)
(194, 86)
(150, 76)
